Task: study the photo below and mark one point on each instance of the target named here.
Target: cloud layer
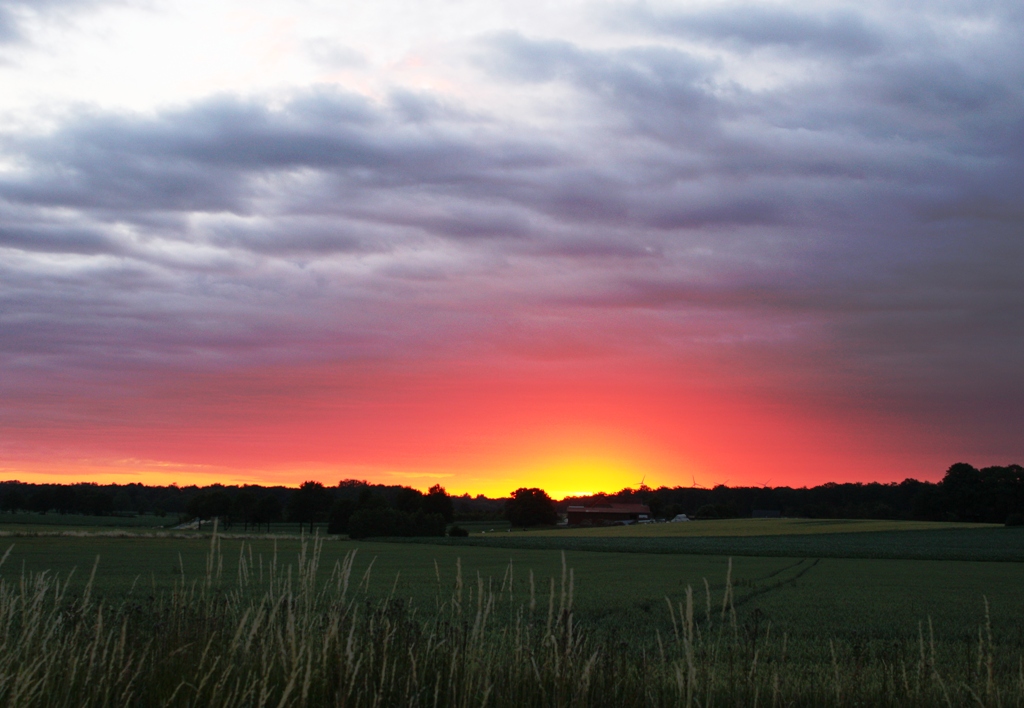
(819, 207)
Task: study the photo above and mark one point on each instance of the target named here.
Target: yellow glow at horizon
(559, 477)
(581, 475)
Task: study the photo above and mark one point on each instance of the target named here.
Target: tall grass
(297, 634)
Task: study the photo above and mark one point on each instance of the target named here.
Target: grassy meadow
(852, 622)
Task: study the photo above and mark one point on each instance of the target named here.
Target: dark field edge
(993, 544)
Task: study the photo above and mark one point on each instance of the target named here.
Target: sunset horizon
(594, 353)
(573, 247)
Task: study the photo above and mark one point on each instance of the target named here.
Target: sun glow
(583, 475)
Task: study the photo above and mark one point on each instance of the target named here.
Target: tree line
(965, 493)
(361, 509)
(355, 507)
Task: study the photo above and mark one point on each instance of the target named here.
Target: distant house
(766, 514)
(606, 513)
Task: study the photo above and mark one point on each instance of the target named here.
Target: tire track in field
(757, 592)
(783, 569)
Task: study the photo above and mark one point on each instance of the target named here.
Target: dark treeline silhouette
(362, 510)
(103, 500)
(371, 509)
(991, 494)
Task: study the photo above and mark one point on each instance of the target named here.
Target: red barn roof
(608, 513)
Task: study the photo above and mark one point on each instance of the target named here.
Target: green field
(807, 584)
(839, 608)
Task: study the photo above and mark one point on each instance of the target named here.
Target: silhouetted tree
(209, 504)
(368, 499)
(309, 504)
(99, 502)
(11, 499)
(408, 499)
(716, 511)
(341, 511)
(437, 501)
(41, 500)
(990, 494)
(530, 507)
(268, 510)
(122, 502)
(244, 507)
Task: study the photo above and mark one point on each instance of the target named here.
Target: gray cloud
(50, 239)
(211, 156)
(856, 228)
(13, 13)
(9, 31)
(829, 31)
(656, 84)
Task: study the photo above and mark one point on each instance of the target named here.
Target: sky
(574, 245)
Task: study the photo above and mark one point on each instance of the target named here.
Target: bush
(457, 532)
(1015, 520)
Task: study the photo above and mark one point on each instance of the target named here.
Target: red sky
(570, 428)
(574, 247)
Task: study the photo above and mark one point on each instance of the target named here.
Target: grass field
(299, 632)
(863, 608)
(808, 596)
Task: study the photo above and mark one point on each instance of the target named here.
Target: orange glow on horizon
(560, 476)
(567, 430)
(581, 477)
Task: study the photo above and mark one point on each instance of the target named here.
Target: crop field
(868, 608)
(616, 591)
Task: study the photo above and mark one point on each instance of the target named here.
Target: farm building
(604, 513)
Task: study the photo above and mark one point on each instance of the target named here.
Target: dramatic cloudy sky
(488, 244)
